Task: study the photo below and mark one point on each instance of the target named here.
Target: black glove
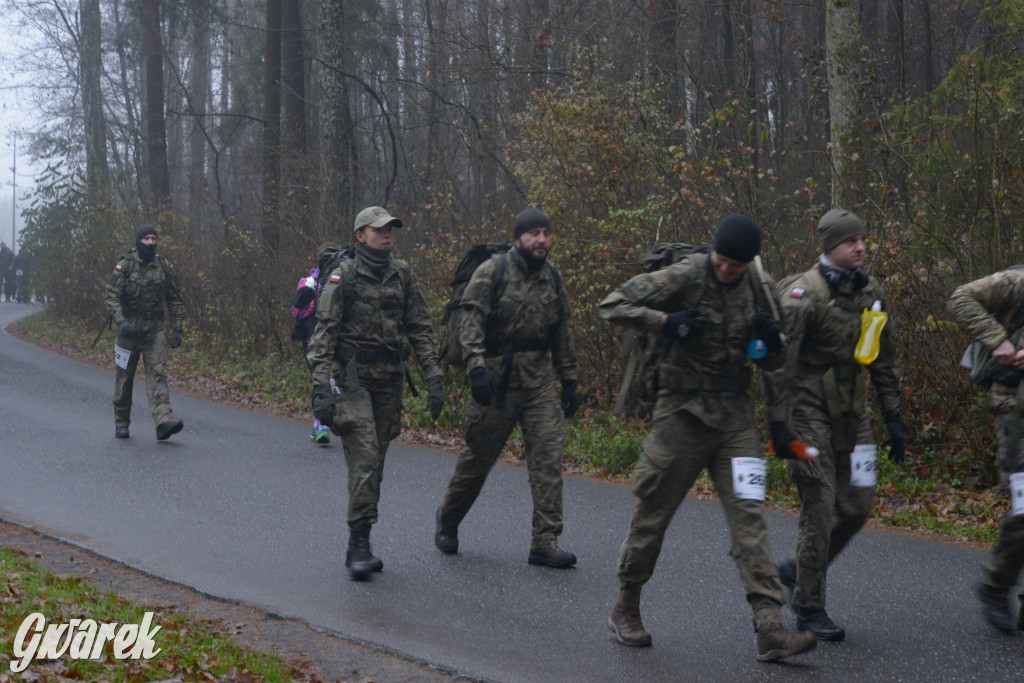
(897, 442)
(570, 399)
(303, 295)
(781, 438)
(482, 386)
(126, 330)
(767, 330)
(435, 396)
(323, 404)
(683, 325)
(175, 340)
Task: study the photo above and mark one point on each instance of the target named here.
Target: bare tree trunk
(97, 169)
(272, 127)
(336, 145)
(199, 105)
(294, 171)
(842, 47)
(154, 123)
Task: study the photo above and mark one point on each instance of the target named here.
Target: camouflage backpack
(642, 349)
(451, 349)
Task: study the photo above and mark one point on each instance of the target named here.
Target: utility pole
(14, 192)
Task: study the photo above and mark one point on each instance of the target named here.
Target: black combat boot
(629, 630)
(446, 539)
(775, 642)
(164, 430)
(818, 621)
(995, 605)
(359, 560)
(552, 556)
(120, 432)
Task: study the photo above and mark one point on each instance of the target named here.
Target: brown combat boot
(628, 629)
(775, 642)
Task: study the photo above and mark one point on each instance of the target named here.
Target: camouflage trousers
(677, 449)
(486, 429)
(1003, 566)
(368, 418)
(832, 510)
(151, 346)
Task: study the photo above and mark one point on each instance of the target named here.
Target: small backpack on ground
(642, 349)
(451, 349)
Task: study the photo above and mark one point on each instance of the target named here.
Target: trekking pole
(103, 328)
(762, 276)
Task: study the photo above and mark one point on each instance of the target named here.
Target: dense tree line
(253, 130)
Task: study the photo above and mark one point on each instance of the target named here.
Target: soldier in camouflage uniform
(820, 392)
(985, 308)
(368, 307)
(709, 309)
(141, 285)
(514, 348)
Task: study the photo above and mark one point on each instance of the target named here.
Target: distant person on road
(710, 309)
(7, 271)
(820, 392)
(515, 347)
(368, 307)
(991, 310)
(22, 268)
(139, 290)
(304, 313)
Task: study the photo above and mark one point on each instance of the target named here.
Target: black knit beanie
(528, 219)
(738, 237)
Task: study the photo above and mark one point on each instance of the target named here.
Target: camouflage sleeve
(321, 347)
(563, 354)
(172, 296)
(476, 300)
(796, 306)
(419, 329)
(771, 361)
(885, 369)
(640, 302)
(115, 290)
(979, 306)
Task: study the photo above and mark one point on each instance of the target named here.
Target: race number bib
(121, 357)
(749, 478)
(864, 465)
(1017, 493)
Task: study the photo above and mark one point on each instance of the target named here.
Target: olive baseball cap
(375, 217)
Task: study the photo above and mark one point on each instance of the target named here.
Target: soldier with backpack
(820, 393)
(992, 311)
(304, 313)
(715, 318)
(142, 285)
(369, 305)
(514, 340)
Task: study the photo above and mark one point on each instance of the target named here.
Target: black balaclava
(527, 220)
(147, 252)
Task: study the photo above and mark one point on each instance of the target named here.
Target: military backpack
(454, 314)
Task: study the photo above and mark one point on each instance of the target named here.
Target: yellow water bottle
(871, 324)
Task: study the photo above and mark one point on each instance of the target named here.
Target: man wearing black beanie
(141, 286)
(708, 309)
(515, 348)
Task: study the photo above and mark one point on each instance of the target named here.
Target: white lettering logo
(82, 639)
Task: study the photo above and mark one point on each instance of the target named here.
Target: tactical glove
(303, 295)
(570, 399)
(435, 396)
(126, 330)
(782, 437)
(897, 442)
(482, 386)
(323, 404)
(767, 330)
(175, 340)
(683, 325)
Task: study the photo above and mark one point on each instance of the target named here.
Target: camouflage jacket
(137, 289)
(376, 318)
(984, 308)
(533, 312)
(823, 335)
(693, 373)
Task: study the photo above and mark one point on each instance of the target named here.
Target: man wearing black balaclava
(515, 348)
(140, 291)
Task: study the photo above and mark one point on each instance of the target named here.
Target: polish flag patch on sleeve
(335, 278)
(118, 267)
(797, 293)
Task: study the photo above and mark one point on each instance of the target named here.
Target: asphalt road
(242, 506)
